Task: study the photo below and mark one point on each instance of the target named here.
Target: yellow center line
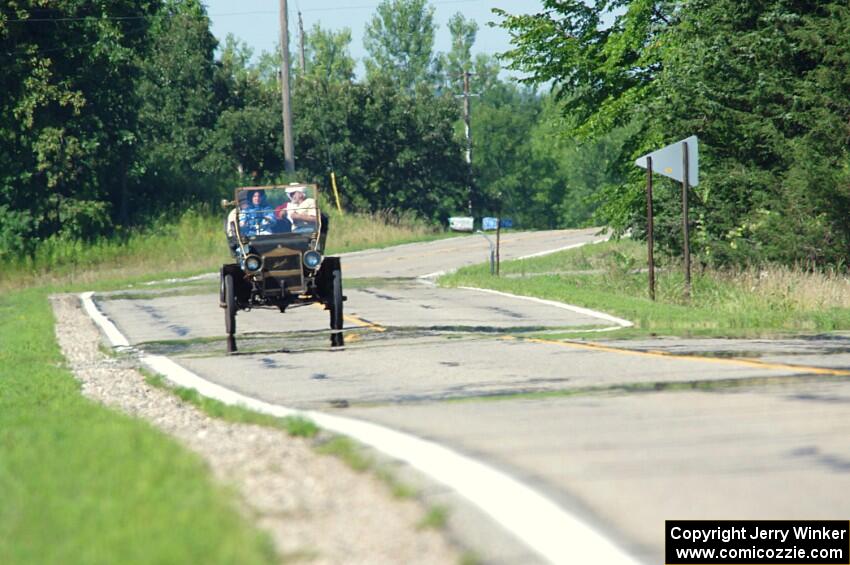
(697, 358)
(364, 323)
(357, 321)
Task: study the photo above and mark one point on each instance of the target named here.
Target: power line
(365, 6)
(223, 14)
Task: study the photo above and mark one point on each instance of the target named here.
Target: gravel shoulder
(315, 508)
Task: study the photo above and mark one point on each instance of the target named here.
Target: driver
(257, 218)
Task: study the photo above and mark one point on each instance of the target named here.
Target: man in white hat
(300, 210)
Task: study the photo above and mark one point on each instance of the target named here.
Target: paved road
(622, 435)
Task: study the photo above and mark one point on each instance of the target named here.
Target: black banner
(757, 542)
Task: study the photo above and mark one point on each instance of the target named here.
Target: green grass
(347, 450)
(84, 484)
(293, 425)
(436, 518)
(358, 458)
(747, 302)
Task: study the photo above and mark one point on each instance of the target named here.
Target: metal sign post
(685, 233)
(650, 237)
(679, 161)
(498, 241)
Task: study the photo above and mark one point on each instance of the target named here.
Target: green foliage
(125, 116)
(763, 84)
(458, 60)
(400, 43)
(245, 146)
(394, 151)
(327, 56)
(83, 484)
(178, 109)
(766, 90)
(68, 114)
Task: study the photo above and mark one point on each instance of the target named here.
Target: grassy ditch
(611, 277)
(84, 484)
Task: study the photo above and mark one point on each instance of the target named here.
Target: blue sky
(256, 21)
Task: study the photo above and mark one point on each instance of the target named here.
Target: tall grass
(612, 277)
(190, 243)
(351, 232)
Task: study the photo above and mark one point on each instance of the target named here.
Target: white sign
(461, 223)
(668, 161)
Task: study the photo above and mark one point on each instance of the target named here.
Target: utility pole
(301, 45)
(288, 145)
(468, 130)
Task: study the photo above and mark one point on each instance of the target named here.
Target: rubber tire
(336, 307)
(336, 300)
(221, 299)
(230, 305)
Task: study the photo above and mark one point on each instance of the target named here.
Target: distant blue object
(488, 224)
(507, 223)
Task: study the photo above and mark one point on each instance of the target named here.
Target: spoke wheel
(230, 305)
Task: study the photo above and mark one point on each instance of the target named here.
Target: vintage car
(277, 239)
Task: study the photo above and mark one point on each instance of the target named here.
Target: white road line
(565, 248)
(430, 277)
(538, 522)
(116, 338)
(200, 277)
(577, 309)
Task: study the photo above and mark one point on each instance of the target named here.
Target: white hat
(291, 189)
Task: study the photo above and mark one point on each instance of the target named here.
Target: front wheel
(230, 306)
(336, 308)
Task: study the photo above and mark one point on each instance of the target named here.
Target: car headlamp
(312, 259)
(253, 263)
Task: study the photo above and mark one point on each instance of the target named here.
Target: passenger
(257, 218)
(231, 221)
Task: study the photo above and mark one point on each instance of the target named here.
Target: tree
(459, 59)
(68, 115)
(763, 84)
(177, 110)
(400, 42)
(392, 151)
(765, 87)
(327, 55)
(600, 73)
(245, 143)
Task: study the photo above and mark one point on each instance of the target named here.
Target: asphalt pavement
(624, 434)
